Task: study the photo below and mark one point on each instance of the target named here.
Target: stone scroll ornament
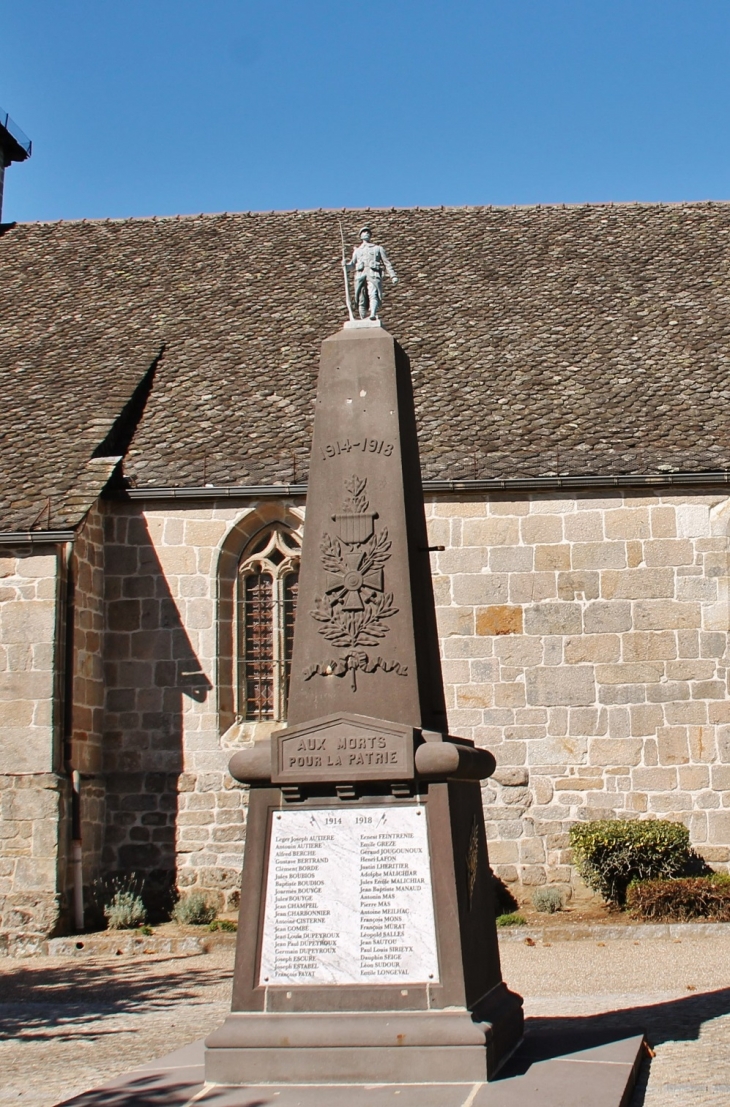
(355, 608)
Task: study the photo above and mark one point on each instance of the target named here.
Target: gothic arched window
(268, 581)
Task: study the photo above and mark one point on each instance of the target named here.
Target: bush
(611, 853)
(511, 920)
(126, 911)
(100, 894)
(691, 897)
(193, 910)
(547, 900)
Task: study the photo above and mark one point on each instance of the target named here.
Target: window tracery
(268, 581)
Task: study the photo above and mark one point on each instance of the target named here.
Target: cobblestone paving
(67, 1025)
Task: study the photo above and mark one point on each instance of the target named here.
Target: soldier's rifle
(344, 273)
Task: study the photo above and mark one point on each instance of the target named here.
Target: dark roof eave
(35, 537)
(516, 484)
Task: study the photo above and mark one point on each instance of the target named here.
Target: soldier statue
(368, 261)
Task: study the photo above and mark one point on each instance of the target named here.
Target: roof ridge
(551, 205)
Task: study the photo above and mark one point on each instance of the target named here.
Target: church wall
(32, 794)
(172, 809)
(87, 714)
(28, 590)
(583, 641)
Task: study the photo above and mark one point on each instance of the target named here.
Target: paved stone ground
(69, 1024)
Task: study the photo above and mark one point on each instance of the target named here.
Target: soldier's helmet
(367, 228)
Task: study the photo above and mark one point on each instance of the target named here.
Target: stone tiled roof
(61, 399)
(579, 340)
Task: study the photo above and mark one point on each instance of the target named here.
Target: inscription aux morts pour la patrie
(339, 747)
(354, 610)
(327, 751)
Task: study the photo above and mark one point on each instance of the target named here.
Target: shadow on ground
(675, 1020)
(58, 1001)
(144, 1090)
(40, 1001)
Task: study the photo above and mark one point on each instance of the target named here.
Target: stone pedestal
(367, 948)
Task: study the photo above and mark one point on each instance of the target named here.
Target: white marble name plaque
(349, 898)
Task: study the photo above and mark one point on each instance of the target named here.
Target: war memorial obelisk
(367, 947)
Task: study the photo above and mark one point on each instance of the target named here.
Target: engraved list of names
(349, 898)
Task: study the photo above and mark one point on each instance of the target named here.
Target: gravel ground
(677, 991)
(68, 1024)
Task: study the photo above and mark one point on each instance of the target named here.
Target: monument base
(556, 1066)
(376, 1047)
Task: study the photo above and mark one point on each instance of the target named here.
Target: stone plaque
(349, 898)
(343, 747)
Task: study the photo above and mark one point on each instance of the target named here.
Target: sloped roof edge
(547, 206)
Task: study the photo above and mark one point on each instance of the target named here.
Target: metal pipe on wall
(76, 852)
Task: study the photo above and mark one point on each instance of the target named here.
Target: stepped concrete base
(542, 1073)
(388, 1047)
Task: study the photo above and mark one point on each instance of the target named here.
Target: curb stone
(133, 944)
(630, 932)
(122, 943)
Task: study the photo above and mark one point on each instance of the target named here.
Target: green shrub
(547, 900)
(224, 924)
(611, 853)
(511, 920)
(680, 899)
(100, 893)
(125, 911)
(193, 910)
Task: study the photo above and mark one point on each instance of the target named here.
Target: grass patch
(513, 919)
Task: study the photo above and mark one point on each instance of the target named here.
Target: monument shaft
(365, 609)
(367, 948)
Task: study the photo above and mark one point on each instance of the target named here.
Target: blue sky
(157, 107)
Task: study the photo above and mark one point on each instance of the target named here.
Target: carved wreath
(354, 607)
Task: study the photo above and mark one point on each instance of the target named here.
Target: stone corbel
(252, 765)
(453, 759)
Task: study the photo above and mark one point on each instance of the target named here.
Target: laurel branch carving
(472, 860)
